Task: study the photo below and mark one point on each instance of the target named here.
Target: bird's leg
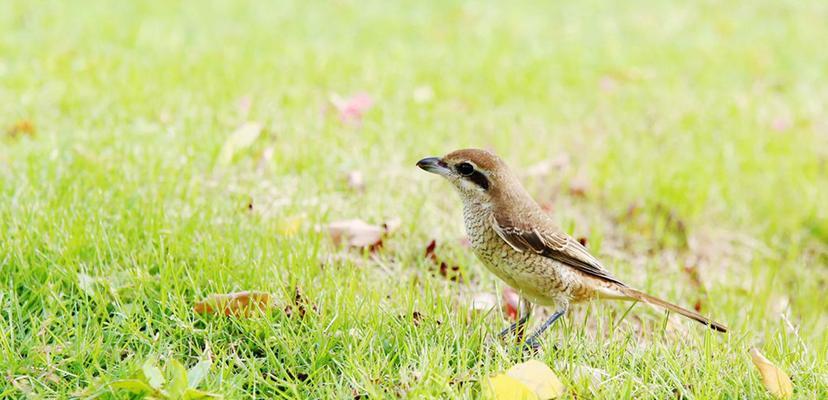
(533, 342)
(525, 311)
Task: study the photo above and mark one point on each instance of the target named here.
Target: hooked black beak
(433, 165)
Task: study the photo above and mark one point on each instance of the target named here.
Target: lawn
(686, 143)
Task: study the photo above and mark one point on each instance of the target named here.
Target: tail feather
(641, 296)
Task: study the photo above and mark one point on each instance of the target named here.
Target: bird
(518, 241)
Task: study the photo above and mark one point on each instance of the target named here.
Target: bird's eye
(465, 169)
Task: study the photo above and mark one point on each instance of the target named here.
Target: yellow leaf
(774, 379)
(290, 226)
(504, 387)
(240, 139)
(539, 378)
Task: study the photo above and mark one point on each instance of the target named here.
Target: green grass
(710, 117)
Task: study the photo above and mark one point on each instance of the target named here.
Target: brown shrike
(518, 242)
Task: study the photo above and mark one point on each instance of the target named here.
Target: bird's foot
(533, 342)
(518, 327)
(532, 345)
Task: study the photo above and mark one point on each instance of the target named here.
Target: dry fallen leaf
(529, 380)
(775, 380)
(240, 139)
(300, 304)
(239, 303)
(450, 272)
(21, 128)
(358, 233)
(352, 108)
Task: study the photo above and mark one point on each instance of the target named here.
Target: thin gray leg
(532, 341)
(525, 312)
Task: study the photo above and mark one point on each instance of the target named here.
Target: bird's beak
(433, 165)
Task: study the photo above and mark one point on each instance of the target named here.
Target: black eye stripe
(479, 179)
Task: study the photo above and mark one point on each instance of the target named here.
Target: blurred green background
(673, 136)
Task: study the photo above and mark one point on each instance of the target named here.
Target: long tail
(641, 296)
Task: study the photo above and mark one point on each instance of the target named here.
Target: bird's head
(478, 175)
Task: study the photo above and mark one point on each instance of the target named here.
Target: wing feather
(555, 245)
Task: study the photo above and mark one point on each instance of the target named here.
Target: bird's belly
(540, 279)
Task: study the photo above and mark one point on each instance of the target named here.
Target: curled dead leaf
(238, 303)
(355, 233)
(774, 379)
(360, 234)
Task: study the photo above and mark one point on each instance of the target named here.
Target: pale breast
(541, 279)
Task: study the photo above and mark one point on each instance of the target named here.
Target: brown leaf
(417, 318)
(21, 128)
(450, 272)
(355, 233)
(429, 251)
(582, 240)
(775, 380)
(238, 303)
(300, 304)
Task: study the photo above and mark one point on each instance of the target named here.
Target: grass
(700, 129)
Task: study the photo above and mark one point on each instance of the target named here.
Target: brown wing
(555, 245)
